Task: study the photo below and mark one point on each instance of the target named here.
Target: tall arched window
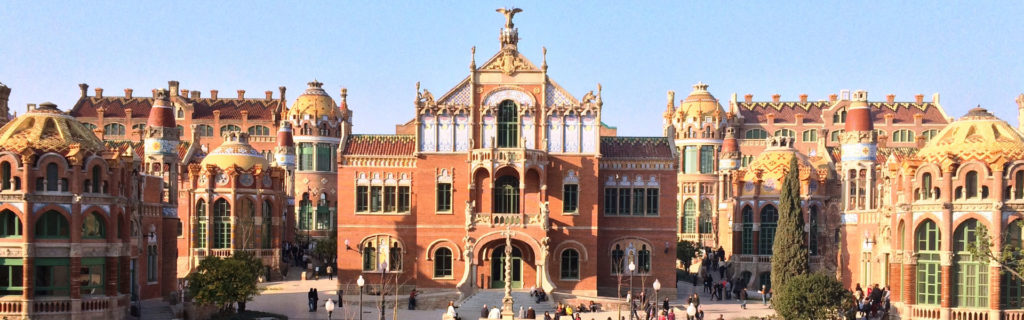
(705, 216)
(369, 256)
(52, 225)
(268, 220)
(570, 264)
(204, 130)
(506, 195)
(926, 186)
(903, 135)
(689, 216)
(755, 134)
(839, 116)
(201, 224)
(643, 259)
(1018, 185)
(442, 263)
(812, 233)
(305, 213)
(10, 225)
(259, 130)
(229, 128)
(1011, 295)
(92, 227)
(769, 219)
(618, 260)
(5, 175)
(221, 224)
(323, 213)
(51, 177)
(970, 272)
(113, 129)
(395, 257)
(971, 184)
(929, 272)
(97, 180)
(747, 236)
(508, 124)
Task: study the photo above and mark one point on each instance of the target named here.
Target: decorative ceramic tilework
(522, 98)
(461, 132)
(555, 97)
(528, 129)
(428, 133)
(445, 133)
(589, 135)
(460, 96)
(490, 130)
(572, 134)
(555, 132)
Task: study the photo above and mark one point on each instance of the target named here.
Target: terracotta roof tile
(261, 109)
(786, 111)
(380, 145)
(636, 147)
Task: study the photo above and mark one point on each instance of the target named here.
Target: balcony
(497, 157)
(100, 307)
(501, 220)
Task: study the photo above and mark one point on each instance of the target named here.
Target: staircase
(156, 309)
(470, 308)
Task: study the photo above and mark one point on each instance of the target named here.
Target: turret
(859, 155)
(1020, 112)
(729, 158)
(670, 108)
(5, 94)
(161, 145)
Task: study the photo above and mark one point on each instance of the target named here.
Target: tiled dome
(235, 151)
(46, 129)
(979, 135)
(316, 103)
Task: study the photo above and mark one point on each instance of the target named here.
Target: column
(946, 284)
(910, 281)
(111, 276)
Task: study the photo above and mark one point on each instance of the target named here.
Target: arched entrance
(498, 267)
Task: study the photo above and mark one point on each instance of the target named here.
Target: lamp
(632, 269)
(347, 246)
(657, 287)
(360, 282)
(666, 247)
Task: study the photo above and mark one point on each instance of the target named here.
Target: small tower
(1020, 111)
(859, 150)
(284, 155)
(161, 145)
(729, 158)
(670, 108)
(5, 94)
(346, 117)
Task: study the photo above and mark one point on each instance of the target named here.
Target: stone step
(471, 307)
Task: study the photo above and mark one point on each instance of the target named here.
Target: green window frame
(705, 217)
(652, 201)
(390, 199)
(443, 263)
(403, 199)
(971, 185)
(570, 264)
(809, 135)
(306, 156)
(113, 129)
(971, 283)
(769, 221)
(152, 263)
(929, 271)
(362, 198)
(689, 216)
(624, 201)
(506, 195)
(834, 136)
(610, 201)
(201, 222)
(638, 202)
(839, 116)
(52, 225)
(268, 221)
(12, 276)
(929, 134)
(5, 175)
(903, 135)
(784, 133)
(52, 277)
(755, 134)
(508, 124)
(707, 159)
(93, 227)
(89, 126)
(305, 213)
(259, 130)
(323, 157)
(1011, 295)
(323, 213)
(690, 159)
(221, 224)
(10, 224)
(204, 130)
(747, 236)
(228, 128)
(570, 198)
(444, 197)
(92, 276)
(375, 199)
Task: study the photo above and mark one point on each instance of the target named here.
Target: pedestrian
(691, 312)
(764, 294)
(412, 299)
(316, 272)
(547, 315)
(531, 314)
(330, 273)
(309, 300)
(316, 297)
(494, 314)
(522, 312)
(483, 312)
(451, 310)
(743, 298)
(664, 305)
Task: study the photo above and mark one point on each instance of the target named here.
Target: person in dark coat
(484, 311)
(310, 301)
(664, 305)
(531, 314)
(316, 297)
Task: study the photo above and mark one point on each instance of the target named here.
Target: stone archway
(492, 265)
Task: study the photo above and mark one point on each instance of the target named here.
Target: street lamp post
(360, 283)
(632, 270)
(329, 306)
(383, 271)
(657, 287)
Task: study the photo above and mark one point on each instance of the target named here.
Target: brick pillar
(895, 282)
(112, 276)
(910, 283)
(994, 288)
(76, 269)
(28, 273)
(946, 284)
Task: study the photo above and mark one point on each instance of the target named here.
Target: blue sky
(969, 52)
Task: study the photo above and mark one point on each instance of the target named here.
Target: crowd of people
(873, 303)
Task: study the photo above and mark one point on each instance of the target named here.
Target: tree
(686, 251)
(789, 250)
(1010, 258)
(223, 282)
(811, 296)
(326, 249)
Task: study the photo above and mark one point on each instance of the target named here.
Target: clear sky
(968, 51)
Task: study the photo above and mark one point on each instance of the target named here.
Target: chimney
(803, 97)
(281, 89)
(32, 106)
(748, 98)
(270, 94)
(128, 93)
(775, 97)
(241, 94)
(99, 92)
(196, 94)
(213, 94)
(833, 97)
(770, 117)
(799, 119)
(890, 98)
(184, 93)
(173, 88)
(888, 118)
(918, 119)
(84, 88)
(919, 98)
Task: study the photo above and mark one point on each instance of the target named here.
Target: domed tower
(284, 155)
(698, 123)
(161, 145)
(321, 126)
(859, 149)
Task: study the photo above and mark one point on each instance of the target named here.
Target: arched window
(228, 128)
(1011, 295)
(784, 133)
(245, 210)
(971, 185)
(506, 195)
(570, 264)
(92, 227)
(113, 129)
(325, 131)
(221, 224)
(89, 126)
(443, 263)
(51, 177)
(618, 259)
(369, 256)
(508, 125)
(139, 126)
(643, 259)
(204, 130)
(305, 213)
(812, 233)
(323, 213)
(970, 272)
(201, 224)
(929, 134)
(747, 236)
(926, 186)
(181, 113)
(52, 225)
(259, 131)
(382, 250)
(10, 225)
(268, 220)
(929, 272)
(839, 116)
(809, 135)
(903, 135)
(769, 219)
(395, 257)
(5, 175)
(834, 136)
(1018, 185)
(707, 159)
(689, 216)
(97, 180)
(705, 217)
(755, 134)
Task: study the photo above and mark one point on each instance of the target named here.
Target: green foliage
(326, 249)
(811, 296)
(248, 315)
(686, 251)
(1010, 258)
(789, 251)
(222, 282)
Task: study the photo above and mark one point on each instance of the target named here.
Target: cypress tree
(790, 255)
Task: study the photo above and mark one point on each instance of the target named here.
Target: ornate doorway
(498, 267)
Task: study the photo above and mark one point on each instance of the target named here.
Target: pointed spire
(472, 58)
(344, 101)
(544, 64)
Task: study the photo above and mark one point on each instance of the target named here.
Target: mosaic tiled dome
(236, 151)
(47, 129)
(699, 103)
(978, 135)
(773, 164)
(314, 102)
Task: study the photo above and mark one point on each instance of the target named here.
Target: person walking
(664, 305)
(483, 312)
(310, 301)
(330, 273)
(412, 299)
(316, 297)
(531, 314)
(743, 298)
(764, 294)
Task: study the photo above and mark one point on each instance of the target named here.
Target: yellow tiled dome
(314, 102)
(979, 135)
(46, 128)
(235, 151)
(773, 163)
(698, 104)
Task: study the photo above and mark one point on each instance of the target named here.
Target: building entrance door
(498, 268)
